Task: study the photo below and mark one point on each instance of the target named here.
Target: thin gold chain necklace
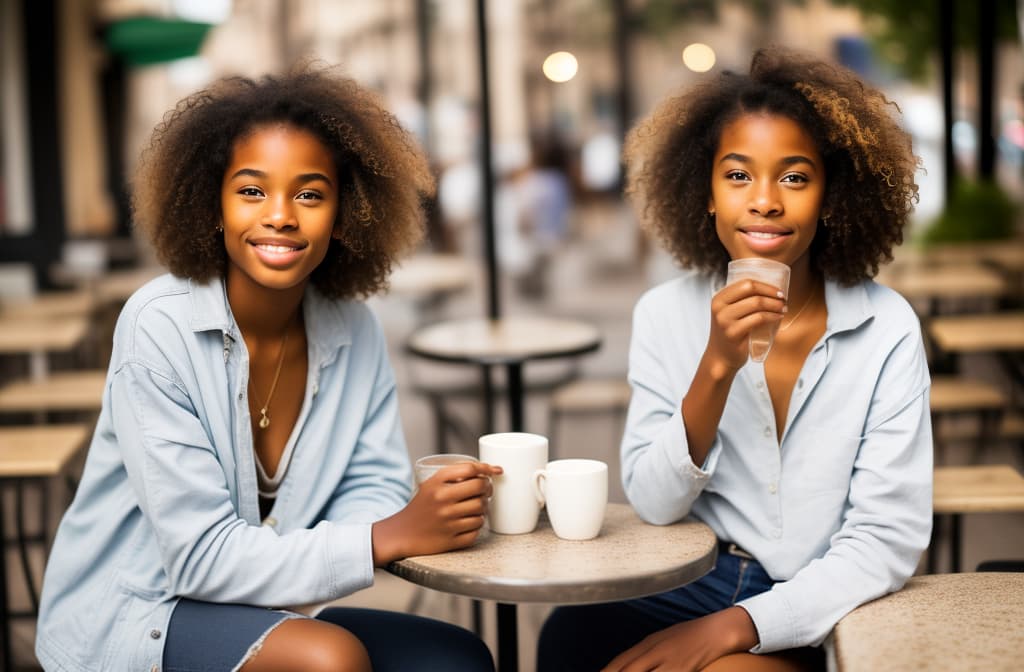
(264, 418)
(807, 302)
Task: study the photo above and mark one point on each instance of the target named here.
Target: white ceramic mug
(576, 494)
(514, 508)
(773, 273)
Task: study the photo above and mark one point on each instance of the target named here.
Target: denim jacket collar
(326, 329)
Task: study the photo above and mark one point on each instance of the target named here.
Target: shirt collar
(848, 307)
(325, 322)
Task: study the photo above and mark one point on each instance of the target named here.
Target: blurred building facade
(76, 113)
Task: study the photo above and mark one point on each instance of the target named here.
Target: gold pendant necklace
(807, 302)
(264, 421)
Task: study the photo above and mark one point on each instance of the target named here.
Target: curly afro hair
(869, 162)
(382, 173)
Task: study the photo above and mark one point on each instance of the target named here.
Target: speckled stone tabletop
(513, 338)
(937, 623)
(629, 558)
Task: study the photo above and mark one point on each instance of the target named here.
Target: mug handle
(538, 489)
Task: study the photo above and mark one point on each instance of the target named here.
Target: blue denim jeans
(208, 637)
(587, 637)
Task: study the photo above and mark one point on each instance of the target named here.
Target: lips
(277, 252)
(764, 238)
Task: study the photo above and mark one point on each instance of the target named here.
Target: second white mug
(575, 493)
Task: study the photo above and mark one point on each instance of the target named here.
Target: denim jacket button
(154, 633)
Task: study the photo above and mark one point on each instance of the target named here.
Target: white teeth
(276, 249)
(763, 234)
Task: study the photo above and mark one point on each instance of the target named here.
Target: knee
(340, 652)
(310, 646)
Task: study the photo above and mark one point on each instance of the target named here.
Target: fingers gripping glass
(769, 272)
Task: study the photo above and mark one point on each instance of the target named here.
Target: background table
(507, 341)
(978, 488)
(1000, 333)
(628, 559)
(949, 622)
(28, 453)
(38, 336)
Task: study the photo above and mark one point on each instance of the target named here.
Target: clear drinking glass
(773, 273)
(425, 467)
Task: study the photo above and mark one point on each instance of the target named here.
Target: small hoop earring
(220, 228)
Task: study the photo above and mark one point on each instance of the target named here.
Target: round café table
(628, 559)
(507, 341)
(940, 623)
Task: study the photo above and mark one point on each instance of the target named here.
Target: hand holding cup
(746, 315)
(446, 513)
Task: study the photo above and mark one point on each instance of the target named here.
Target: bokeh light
(699, 57)
(560, 66)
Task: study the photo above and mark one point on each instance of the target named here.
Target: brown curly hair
(869, 162)
(383, 176)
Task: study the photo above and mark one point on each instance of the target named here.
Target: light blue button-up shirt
(839, 512)
(168, 504)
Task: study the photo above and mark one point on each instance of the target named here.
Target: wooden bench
(943, 623)
(953, 396)
(588, 396)
(38, 452)
(62, 391)
(996, 488)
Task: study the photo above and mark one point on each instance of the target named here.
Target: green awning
(146, 40)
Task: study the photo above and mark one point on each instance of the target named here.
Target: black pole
(623, 66)
(424, 89)
(986, 88)
(486, 172)
(946, 49)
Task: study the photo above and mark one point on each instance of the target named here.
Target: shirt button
(154, 633)
(239, 396)
(270, 521)
(767, 432)
(800, 383)
(760, 384)
(772, 488)
(316, 388)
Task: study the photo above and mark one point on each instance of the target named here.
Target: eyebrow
(304, 177)
(788, 161)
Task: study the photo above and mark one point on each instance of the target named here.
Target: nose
(765, 199)
(279, 213)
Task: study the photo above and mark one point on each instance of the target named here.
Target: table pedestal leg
(954, 543)
(508, 638)
(515, 397)
(5, 609)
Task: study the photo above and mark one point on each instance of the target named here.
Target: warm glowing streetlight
(560, 66)
(699, 57)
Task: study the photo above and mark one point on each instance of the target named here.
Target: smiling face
(279, 200)
(767, 188)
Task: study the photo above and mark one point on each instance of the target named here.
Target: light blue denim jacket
(168, 507)
(840, 510)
